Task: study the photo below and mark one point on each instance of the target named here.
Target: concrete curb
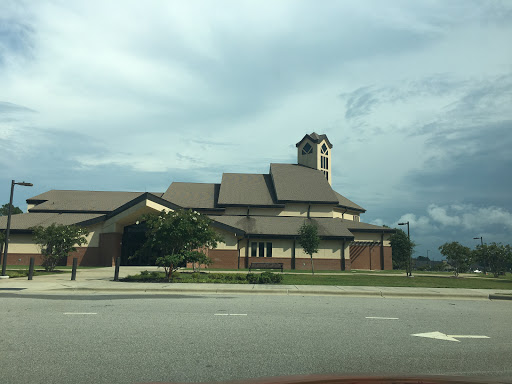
(287, 292)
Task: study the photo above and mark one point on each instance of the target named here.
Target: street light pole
(409, 272)
(482, 244)
(8, 229)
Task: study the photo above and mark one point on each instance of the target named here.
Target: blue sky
(414, 95)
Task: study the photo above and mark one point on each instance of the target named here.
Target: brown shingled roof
(284, 226)
(192, 195)
(81, 201)
(315, 138)
(297, 183)
(344, 202)
(246, 189)
(25, 221)
(365, 227)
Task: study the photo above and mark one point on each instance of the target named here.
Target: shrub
(270, 278)
(252, 278)
(240, 277)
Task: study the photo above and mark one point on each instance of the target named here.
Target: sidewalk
(100, 280)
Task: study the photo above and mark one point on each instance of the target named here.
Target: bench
(266, 266)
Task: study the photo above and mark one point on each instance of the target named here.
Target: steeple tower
(314, 151)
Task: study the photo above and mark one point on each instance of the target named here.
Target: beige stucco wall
(22, 243)
(280, 247)
(229, 239)
(132, 215)
(328, 249)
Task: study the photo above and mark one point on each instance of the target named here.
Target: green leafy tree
(197, 259)
(4, 210)
(457, 255)
(57, 241)
(401, 248)
(309, 241)
(494, 256)
(176, 237)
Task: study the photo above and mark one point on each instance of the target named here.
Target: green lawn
(12, 273)
(347, 279)
(504, 282)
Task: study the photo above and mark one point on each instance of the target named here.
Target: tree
(176, 237)
(309, 241)
(57, 241)
(494, 256)
(4, 210)
(457, 255)
(401, 248)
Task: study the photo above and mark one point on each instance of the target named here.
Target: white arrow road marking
(442, 336)
(381, 318)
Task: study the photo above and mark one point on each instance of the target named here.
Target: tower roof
(315, 138)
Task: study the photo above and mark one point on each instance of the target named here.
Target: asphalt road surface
(133, 339)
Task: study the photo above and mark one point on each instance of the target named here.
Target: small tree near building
(309, 241)
(401, 248)
(177, 237)
(57, 241)
(457, 255)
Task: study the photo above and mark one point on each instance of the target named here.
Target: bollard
(73, 271)
(31, 269)
(116, 272)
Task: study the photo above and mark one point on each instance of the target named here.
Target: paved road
(129, 339)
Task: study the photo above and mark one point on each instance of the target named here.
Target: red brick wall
(224, 258)
(87, 257)
(110, 248)
(360, 257)
(23, 258)
(287, 263)
(319, 264)
(388, 261)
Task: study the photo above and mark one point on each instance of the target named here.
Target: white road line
(381, 318)
(230, 314)
(80, 313)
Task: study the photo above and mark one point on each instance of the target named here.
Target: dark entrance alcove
(134, 237)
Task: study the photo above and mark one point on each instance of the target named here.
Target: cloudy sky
(415, 96)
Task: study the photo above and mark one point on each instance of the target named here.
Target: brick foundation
(224, 259)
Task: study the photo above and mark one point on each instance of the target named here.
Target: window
(307, 149)
(356, 218)
(261, 249)
(324, 149)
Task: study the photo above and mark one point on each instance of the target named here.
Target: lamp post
(409, 269)
(482, 244)
(8, 229)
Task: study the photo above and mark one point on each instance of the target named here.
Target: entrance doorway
(134, 237)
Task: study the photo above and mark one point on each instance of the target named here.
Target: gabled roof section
(315, 138)
(245, 189)
(365, 227)
(278, 226)
(61, 201)
(346, 203)
(24, 221)
(298, 183)
(193, 195)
